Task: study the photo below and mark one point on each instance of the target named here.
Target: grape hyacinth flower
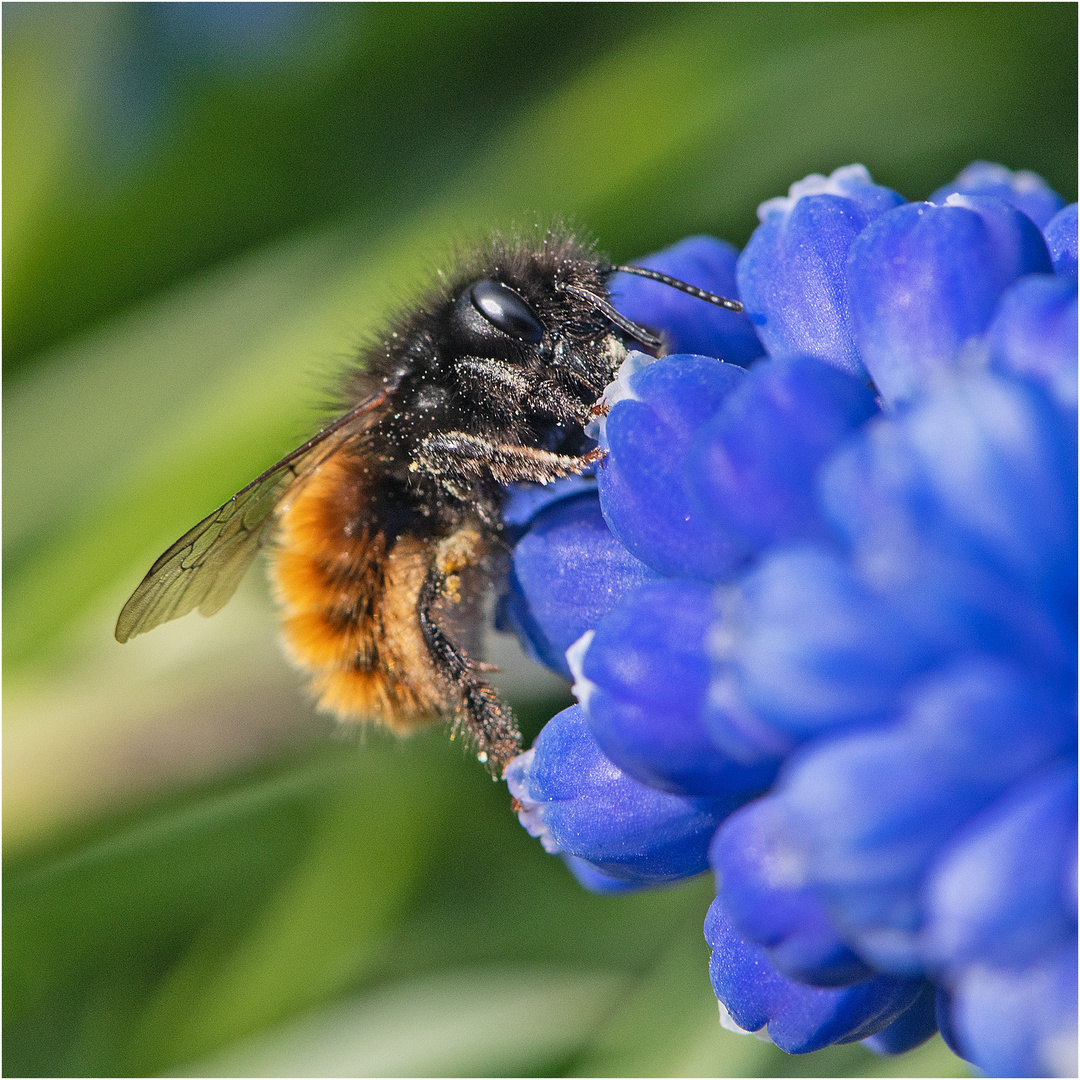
(819, 604)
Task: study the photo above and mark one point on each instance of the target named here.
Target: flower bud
(579, 803)
(792, 274)
(1026, 191)
(923, 281)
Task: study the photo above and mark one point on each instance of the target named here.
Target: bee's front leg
(461, 454)
(487, 721)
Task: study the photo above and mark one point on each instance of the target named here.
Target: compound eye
(506, 311)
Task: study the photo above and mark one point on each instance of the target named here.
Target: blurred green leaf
(462, 1023)
(48, 80)
(113, 910)
(318, 932)
(245, 905)
(355, 115)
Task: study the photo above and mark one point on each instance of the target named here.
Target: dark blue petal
(1025, 190)
(943, 1013)
(995, 895)
(923, 280)
(910, 1028)
(734, 727)
(811, 649)
(579, 803)
(568, 570)
(690, 325)
(1019, 1023)
(753, 464)
(799, 1018)
(644, 491)
(1060, 235)
(1034, 335)
(792, 273)
(644, 684)
(761, 884)
(589, 877)
(962, 512)
(525, 501)
(870, 810)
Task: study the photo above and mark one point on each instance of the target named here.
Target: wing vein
(204, 567)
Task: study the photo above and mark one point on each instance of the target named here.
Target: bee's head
(527, 335)
(492, 313)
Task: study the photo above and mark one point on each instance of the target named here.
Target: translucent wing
(204, 567)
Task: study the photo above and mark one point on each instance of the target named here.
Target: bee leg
(459, 453)
(488, 722)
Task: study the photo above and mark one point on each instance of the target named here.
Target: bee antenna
(639, 333)
(682, 286)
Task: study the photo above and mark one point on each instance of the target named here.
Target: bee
(385, 527)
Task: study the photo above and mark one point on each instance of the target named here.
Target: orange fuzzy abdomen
(349, 603)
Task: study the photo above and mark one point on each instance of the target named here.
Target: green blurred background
(206, 207)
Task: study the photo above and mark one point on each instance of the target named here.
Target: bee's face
(529, 319)
(512, 346)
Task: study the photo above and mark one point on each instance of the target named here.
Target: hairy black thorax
(468, 399)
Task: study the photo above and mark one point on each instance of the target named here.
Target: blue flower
(791, 275)
(568, 573)
(1033, 334)
(823, 631)
(1060, 235)
(798, 1018)
(1025, 190)
(645, 494)
(644, 677)
(580, 804)
(924, 280)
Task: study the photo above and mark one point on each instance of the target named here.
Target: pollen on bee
(457, 552)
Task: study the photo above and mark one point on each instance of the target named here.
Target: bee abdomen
(349, 599)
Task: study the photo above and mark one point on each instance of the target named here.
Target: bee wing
(204, 567)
